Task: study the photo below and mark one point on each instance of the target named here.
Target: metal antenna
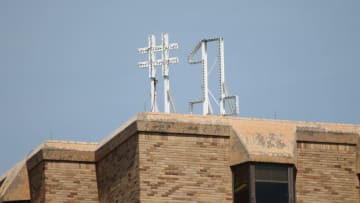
(205, 96)
(151, 63)
(222, 76)
(164, 62)
(231, 100)
(165, 70)
(205, 87)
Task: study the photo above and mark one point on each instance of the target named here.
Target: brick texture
(326, 173)
(186, 158)
(117, 172)
(70, 182)
(184, 168)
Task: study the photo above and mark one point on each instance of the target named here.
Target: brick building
(158, 157)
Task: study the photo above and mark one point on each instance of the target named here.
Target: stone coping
(320, 135)
(262, 140)
(62, 151)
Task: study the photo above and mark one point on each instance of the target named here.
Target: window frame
(291, 180)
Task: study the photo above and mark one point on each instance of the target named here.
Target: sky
(68, 69)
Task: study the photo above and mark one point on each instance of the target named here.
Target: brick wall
(63, 172)
(37, 187)
(70, 182)
(184, 168)
(187, 159)
(117, 173)
(326, 173)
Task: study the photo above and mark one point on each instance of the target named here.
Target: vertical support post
(252, 184)
(152, 73)
(165, 60)
(205, 78)
(222, 77)
(291, 185)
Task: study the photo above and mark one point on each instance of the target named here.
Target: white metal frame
(152, 62)
(232, 101)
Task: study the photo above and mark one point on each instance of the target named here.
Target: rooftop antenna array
(231, 101)
(152, 62)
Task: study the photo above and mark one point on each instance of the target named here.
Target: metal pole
(165, 60)
(222, 77)
(205, 78)
(152, 73)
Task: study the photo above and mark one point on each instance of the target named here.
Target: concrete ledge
(279, 158)
(184, 128)
(318, 135)
(251, 139)
(62, 151)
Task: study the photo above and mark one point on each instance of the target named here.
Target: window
(241, 183)
(263, 183)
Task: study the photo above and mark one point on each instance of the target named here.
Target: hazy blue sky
(68, 68)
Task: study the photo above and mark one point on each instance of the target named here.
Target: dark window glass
(267, 192)
(241, 182)
(264, 183)
(271, 183)
(271, 173)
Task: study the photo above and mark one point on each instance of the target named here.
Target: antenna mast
(231, 100)
(164, 62)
